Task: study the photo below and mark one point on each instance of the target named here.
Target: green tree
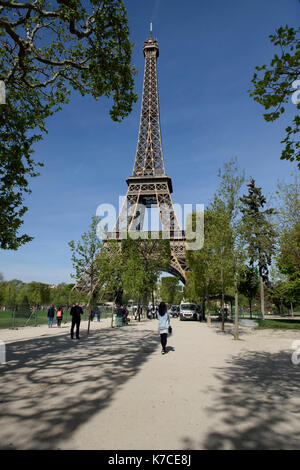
(143, 260)
(110, 271)
(2, 292)
(211, 267)
(25, 307)
(47, 50)
(62, 295)
(45, 294)
(33, 293)
(179, 294)
(135, 283)
(202, 280)
(38, 293)
(132, 267)
(259, 234)
(274, 89)
(248, 284)
(85, 261)
(290, 292)
(288, 259)
(221, 246)
(170, 290)
(229, 192)
(288, 262)
(288, 204)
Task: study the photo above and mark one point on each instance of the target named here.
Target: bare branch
(76, 65)
(41, 85)
(29, 6)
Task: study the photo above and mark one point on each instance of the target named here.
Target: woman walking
(163, 325)
(59, 315)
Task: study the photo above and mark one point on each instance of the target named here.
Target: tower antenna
(150, 29)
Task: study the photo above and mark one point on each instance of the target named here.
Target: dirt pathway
(114, 390)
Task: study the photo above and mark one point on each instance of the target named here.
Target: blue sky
(208, 52)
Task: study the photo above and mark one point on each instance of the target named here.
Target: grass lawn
(279, 324)
(6, 318)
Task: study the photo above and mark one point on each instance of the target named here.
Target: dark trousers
(75, 321)
(163, 340)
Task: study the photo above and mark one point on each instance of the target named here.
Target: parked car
(174, 310)
(189, 311)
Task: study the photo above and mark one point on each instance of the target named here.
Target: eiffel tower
(149, 186)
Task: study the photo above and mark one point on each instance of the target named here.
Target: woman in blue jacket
(163, 325)
(50, 315)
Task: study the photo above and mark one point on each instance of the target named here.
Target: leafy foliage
(132, 267)
(144, 259)
(259, 233)
(275, 87)
(45, 52)
(85, 259)
(170, 291)
(288, 259)
(38, 294)
(248, 284)
(110, 269)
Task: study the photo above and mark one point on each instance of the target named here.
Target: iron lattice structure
(149, 186)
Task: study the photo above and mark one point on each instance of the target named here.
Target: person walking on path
(59, 315)
(163, 325)
(76, 312)
(50, 316)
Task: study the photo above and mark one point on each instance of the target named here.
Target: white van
(189, 311)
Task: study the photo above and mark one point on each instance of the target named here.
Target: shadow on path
(51, 385)
(258, 405)
(229, 330)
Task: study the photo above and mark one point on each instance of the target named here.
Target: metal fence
(13, 317)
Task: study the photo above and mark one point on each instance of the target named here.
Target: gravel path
(114, 390)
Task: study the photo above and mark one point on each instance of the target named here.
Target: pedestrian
(50, 315)
(153, 312)
(163, 325)
(92, 315)
(76, 312)
(98, 314)
(119, 311)
(126, 315)
(59, 316)
(122, 313)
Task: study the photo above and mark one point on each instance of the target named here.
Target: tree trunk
(208, 305)
(236, 300)
(262, 297)
(292, 309)
(112, 313)
(112, 316)
(222, 300)
(89, 322)
(250, 303)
